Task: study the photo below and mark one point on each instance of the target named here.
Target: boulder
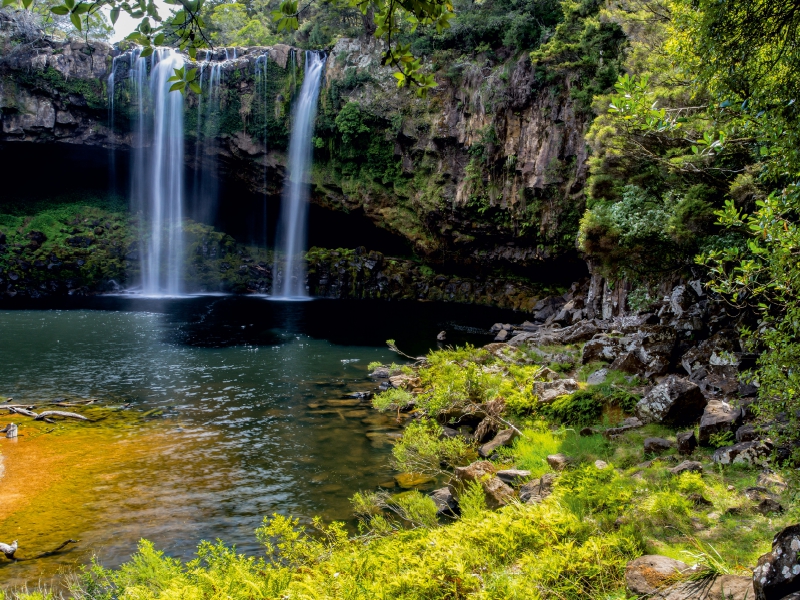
(718, 417)
(496, 492)
(687, 465)
(686, 441)
(547, 391)
(503, 438)
(559, 462)
(778, 572)
(647, 574)
(512, 476)
(676, 401)
(654, 445)
(751, 453)
(628, 363)
(537, 490)
(746, 433)
(445, 502)
(600, 348)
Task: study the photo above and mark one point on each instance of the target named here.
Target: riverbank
(535, 468)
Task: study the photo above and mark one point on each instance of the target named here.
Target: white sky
(126, 24)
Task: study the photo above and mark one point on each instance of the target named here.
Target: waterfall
(205, 185)
(294, 205)
(112, 153)
(262, 62)
(157, 188)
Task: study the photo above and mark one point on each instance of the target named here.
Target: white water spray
(157, 189)
(294, 205)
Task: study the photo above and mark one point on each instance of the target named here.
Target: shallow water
(257, 418)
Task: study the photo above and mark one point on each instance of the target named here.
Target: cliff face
(485, 172)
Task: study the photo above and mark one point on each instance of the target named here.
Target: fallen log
(59, 413)
(24, 412)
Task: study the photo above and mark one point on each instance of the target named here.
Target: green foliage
(724, 438)
(392, 399)
(424, 450)
(579, 408)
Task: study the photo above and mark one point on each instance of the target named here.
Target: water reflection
(257, 416)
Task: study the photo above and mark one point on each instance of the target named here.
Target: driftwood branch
(24, 412)
(60, 413)
(10, 551)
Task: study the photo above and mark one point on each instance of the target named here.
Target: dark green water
(257, 400)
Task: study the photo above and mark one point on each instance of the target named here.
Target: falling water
(112, 154)
(261, 79)
(294, 207)
(158, 171)
(205, 188)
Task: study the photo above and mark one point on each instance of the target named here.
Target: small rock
(771, 481)
(687, 465)
(512, 476)
(503, 438)
(597, 377)
(559, 462)
(654, 445)
(778, 572)
(647, 574)
(547, 391)
(502, 335)
(769, 505)
(445, 502)
(380, 373)
(686, 441)
(412, 480)
(497, 493)
(586, 432)
(724, 587)
(537, 490)
(600, 464)
(751, 453)
(718, 417)
(474, 471)
(442, 336)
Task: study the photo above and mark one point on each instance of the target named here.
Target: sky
(126, 24)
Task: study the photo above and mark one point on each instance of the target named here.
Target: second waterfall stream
(289, 283)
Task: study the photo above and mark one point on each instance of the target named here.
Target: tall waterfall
(294, 205)
(262, 82)
(157, 186)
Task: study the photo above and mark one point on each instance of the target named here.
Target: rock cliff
(485, 173)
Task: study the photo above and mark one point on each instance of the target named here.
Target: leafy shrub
(423, 449)
(721, 439)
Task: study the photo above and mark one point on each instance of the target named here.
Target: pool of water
(256, 415)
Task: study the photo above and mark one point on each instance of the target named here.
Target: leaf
(27, 4)
(147, 51)
(59, 10)
(114, 14)
(179, 18)
(159, 40)
(70, 4)
(180, 85)
(195, 87)
(76, 21)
